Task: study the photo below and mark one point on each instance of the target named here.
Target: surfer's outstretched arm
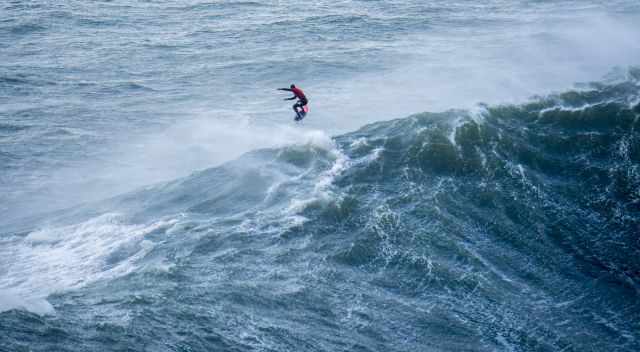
(290, 90)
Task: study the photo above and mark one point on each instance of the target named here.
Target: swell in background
(100, 98)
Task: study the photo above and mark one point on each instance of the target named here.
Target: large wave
(507, 227)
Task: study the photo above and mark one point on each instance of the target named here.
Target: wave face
(510, 227)
(98, 98)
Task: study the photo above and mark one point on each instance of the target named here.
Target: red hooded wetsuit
(299, 94)
(300, 106)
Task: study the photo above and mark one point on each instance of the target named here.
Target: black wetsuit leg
(298, 107)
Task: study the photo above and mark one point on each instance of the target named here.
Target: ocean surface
(468, 177)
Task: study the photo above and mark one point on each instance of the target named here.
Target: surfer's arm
(288, 90)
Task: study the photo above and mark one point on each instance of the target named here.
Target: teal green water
(513, 227)
(155, 194)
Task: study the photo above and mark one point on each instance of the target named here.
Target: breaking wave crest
(506, 227)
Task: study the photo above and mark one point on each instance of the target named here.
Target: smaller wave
(66, 133)
(13, 80)
(129, 86)
(56, 259)
(22, 79)
(27, 28)
(8, 127)
(207, 6)
(98, 22)
(245, 4)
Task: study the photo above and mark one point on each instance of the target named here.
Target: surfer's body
(299, 107)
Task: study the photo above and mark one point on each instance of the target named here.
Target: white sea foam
(359, 143)
(322, 185)
(455, 124)
(10, 299)
(55, 259)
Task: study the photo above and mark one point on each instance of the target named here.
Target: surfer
(300, 106)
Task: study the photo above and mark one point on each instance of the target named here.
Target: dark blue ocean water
(155, 194)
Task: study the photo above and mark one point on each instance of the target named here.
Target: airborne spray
(156, 195)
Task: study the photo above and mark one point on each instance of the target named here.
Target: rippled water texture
(157, 196)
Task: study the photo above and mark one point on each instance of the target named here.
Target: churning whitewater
(157, 196)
